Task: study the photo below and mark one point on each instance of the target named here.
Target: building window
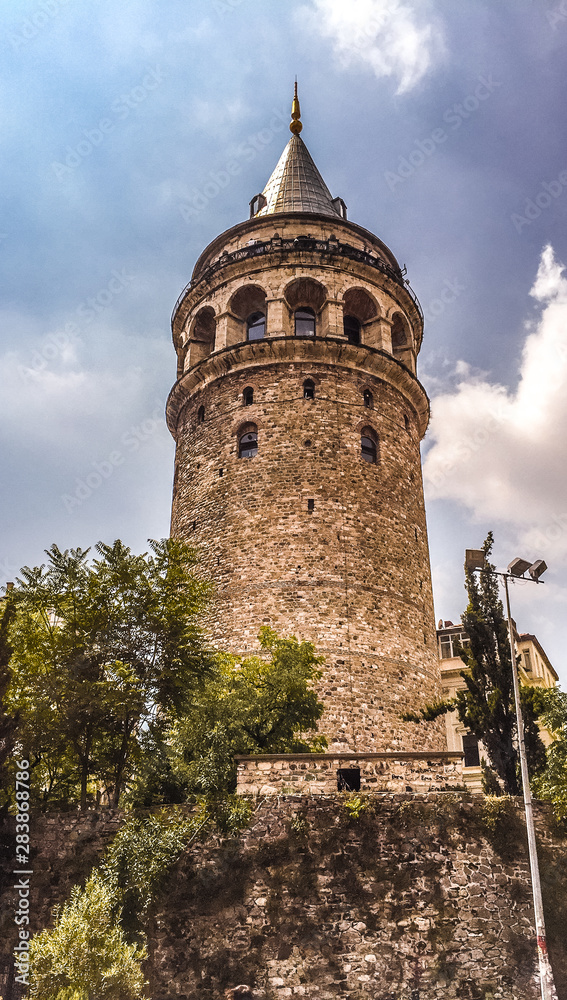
(450, 643)
(368, 445)
(304, 323)
(368, 399)
(406, 422)
(201, 415)
(256, 326)
(248, 396)
(351, 328)
(248, 444)
(445, 648)
(310, 506)
(348, 779)
(470, 750)
(527, 661)
(308, 389)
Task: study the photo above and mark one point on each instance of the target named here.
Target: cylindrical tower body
(298, 419)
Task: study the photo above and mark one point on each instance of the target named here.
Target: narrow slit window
(248, 396)
(309, 389)
(256, 326)
(304, 323)
(310, 506)
(201, 415)
(368, 399)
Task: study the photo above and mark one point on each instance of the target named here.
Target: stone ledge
(316, 774)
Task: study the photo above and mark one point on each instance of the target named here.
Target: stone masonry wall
(306, 536)
(352, 576)
(416, 899)
(317, 774)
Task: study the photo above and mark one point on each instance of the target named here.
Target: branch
(430, 712)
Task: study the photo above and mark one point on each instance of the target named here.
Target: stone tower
(298, 418)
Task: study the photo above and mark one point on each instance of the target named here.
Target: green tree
(551, 783)
(100, 650)
(261, 704)
(86, 955)
(8, 721)
(486, 705)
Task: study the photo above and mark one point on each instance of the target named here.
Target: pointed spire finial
(295, 125)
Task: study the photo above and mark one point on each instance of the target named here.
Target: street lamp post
(475, 559)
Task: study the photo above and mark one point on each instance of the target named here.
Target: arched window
(368, 445)
(201, 415)
(256, 326)
(368, 399)
(248, 442)
(248, 396)
(308, 389)
(304, 323)
(351, 328)
(400, 338)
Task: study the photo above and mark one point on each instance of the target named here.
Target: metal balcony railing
(300, 244)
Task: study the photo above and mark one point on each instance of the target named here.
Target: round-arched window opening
(201, 415)
(308, 389)
(304, 323)
(368, 445)
(368, 399)
(248, 396)
(248, 444)
(351, 328)
(256, 326)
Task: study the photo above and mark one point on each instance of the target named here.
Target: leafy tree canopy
(100, 649)
(86, 955)
(552, 782)
(261, 704)
(486, 704)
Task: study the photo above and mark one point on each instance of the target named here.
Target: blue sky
(442, 127)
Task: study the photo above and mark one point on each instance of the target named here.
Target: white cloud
(392, 38)
(503, 453)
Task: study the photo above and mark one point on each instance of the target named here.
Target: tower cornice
(332, 351)
(272, 222)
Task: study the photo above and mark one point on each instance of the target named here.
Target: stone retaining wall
(317, 774)
(414, 898)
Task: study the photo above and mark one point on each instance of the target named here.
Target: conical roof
(296, 185)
